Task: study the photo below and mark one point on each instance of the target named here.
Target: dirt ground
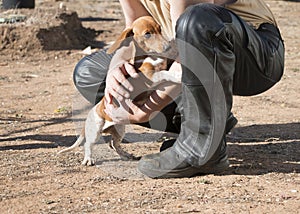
(41, 113)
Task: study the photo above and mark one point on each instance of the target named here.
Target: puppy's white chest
(154, 61)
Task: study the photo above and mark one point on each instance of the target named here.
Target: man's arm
(132, 10)
(160, 98)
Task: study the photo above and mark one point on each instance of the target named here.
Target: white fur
(153, 62)
(166, 76)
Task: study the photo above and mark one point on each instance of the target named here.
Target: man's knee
(78, 73)
(82, 75)
(89, 78)
(201, 21)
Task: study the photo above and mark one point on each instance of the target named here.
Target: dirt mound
(45, 30)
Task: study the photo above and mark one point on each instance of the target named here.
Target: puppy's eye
(147, 35)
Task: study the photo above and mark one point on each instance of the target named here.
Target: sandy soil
(37, 119)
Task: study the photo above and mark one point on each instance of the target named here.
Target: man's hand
(117, 84)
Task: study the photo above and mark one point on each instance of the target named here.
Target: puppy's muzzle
(166, 47)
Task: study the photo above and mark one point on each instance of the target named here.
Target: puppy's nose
(166, 47)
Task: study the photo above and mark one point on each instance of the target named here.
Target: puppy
(147, 41)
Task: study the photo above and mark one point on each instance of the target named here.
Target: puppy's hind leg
(117, 132)
(93, 129)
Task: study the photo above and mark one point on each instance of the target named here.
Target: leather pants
(221, 56)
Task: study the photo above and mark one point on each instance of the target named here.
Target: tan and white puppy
(147, 40)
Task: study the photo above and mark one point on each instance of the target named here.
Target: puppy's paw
(166, 76)
(129, 157)
(88, 162)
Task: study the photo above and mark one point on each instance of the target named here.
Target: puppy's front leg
(93, 129)
(166, 76)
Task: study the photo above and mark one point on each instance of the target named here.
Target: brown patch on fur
(100, 110)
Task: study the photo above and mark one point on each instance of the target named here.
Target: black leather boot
(169, 164)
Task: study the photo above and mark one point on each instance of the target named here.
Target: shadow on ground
(253, 150)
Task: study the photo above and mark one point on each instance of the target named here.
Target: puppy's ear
(118, 43)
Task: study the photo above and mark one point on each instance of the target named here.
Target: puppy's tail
(78, 142)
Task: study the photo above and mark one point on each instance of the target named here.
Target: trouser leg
(205, 40)
(90, 74)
